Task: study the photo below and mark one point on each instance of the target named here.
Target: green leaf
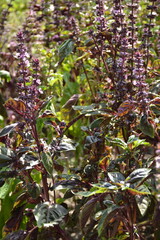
(155, 109)
(8, 187)
(116, 177)
(143, 203)
(4, 190)
(45, 103)
(71, 101)
(141, 190)
(90, 140)
(140, 142)
(137, 175)
(107, 215)
(34, 190)
(13, 223)
(97, 189)
(91, 193)
(87, 210)
(20, 200)
(36, 175)
(132, 139)
(65, 49)
(146, 127)
(91, 110)
(54, 78)
(6, 151)
(66, 144)
(96, 123)
(4, 158)
(68, 184)
(23, 150)
(7, 129)
(29, 160)
(47, 214)
(105, 185)
(136, 142)
(47, 162)
(117, 142)
(5, 74)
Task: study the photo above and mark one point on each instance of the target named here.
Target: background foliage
(79, 115)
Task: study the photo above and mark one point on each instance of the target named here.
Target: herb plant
(79, 114)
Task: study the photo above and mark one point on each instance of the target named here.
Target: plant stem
(85, 72)
(44, 176)
(45, 186)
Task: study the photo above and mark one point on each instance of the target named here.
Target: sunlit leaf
(65, 49)
(47, 162)
(5, 74)
(47, 114)
(29, 160)
(85, 55)
(36, 176)
(93, 109)
(23, 150)
(141, 190)
(105, 184)
(140, 142)
(91, 193)
(117, 142)
(4, 190)
(125, 108)
(5, 158)
(48, 214)
(132, 139)
(17, 106)
(6, 151)
(55, 77)
(138, 174)
(97, 189)
(116, 177)
(10, 185)
(134, 142)
(6, 130)
(143, 203)
(66, 144)
(42, 104)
